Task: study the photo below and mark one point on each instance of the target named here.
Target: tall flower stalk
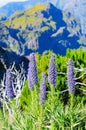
(9, 84)
(70, 76)
(30, 85)
(42, 94)
(32, 71)
(52, 72)
(32, 81)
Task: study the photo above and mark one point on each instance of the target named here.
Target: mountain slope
(38, 29)
(75, 7)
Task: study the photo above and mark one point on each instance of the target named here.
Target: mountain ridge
(34, 33)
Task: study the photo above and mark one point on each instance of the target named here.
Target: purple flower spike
(70, 76)
(9, 84)
(30, 85)
(52, 71)
(42, 94)
(33, 69)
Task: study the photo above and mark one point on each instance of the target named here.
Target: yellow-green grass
(36, 8)
(28, 17)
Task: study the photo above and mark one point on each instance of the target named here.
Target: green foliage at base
(26, 113)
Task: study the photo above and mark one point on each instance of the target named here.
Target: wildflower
(33, 69)
(30, 85)
(70, 76)
(9, 84)
(42, 94)
(52, 71)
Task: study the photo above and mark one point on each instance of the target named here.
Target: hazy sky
(3, 2)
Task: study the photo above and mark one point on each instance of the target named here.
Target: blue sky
(3, 2)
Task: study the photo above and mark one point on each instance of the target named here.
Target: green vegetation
(45, 28)
(61, 111)
(32, 17)
(29, 114)
(27, 17)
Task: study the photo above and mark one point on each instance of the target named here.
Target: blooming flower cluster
(30, 85)
(42, 93)
(52, 71)
(33, 77)
(32, 71)
(70, 76)
(9, 84)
